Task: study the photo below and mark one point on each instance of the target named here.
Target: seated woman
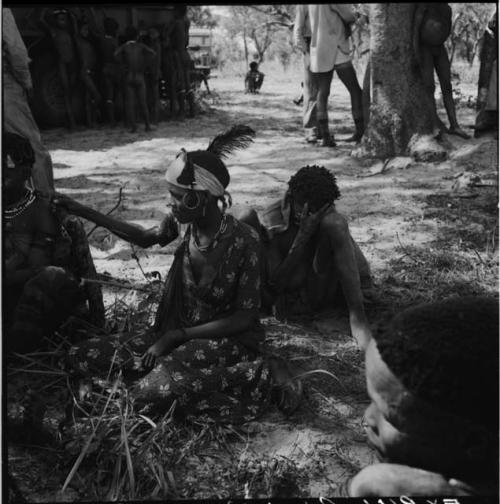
(204, 349)
(432, 376)
(312, 262)
(39, 292)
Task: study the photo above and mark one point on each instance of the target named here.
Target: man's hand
(389, 480)
(163, 346)
(309, 222)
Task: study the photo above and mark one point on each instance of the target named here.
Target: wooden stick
(116, 284)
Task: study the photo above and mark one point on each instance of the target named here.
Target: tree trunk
(400, 108)
(246, 47)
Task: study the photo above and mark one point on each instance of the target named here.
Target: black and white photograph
(250, 251)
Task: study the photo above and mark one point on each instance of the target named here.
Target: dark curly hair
(314, 184)
(18, 148)
(446, 352)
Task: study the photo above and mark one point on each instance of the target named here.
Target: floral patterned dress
(225, 378)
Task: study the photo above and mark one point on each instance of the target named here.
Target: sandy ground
(385, 209)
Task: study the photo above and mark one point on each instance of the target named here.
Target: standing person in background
(153, 71)
(66, 57)
(431, 28)
(134, 53)
(317, 30)
(302, 40)
(17, 117)
(180, 39)
(88, 66)
(111, 72)
(169, 67)
(487, 96)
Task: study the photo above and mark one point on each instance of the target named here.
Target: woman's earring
(187, 200)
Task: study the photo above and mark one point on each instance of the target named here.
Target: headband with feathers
(237, 137)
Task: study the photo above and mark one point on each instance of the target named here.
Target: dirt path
(391, 213)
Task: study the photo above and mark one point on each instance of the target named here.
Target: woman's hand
(168, 230)
(163, 346)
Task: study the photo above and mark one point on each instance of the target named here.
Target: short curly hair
(446, 352)
(314, 184)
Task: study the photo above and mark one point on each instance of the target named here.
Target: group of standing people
(121, 72)
(322, 33)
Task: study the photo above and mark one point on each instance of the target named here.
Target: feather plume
(238, 137)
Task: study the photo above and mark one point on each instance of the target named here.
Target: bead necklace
(214, 240)
(24, 203)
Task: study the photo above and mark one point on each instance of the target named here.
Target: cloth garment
(38, 307)
(17, 114)
(225, 378)
(203, 179)
(327, 32)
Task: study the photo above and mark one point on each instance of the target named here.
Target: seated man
(253, 78)
(310, 252)
(432, 376)
(39, 294)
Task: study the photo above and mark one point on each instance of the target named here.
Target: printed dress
(226, 378)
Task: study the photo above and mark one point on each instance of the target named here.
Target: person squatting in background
(253, 79)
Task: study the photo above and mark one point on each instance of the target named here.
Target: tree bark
(246, 47)
(400, 108)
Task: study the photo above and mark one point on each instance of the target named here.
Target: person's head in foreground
(314, 185)
(254, 66)
(197, 180)
(432, 376)
(18, 158)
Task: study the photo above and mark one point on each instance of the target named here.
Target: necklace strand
(214, 240)
(27, 200)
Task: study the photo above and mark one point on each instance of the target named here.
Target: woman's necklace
(214, 240)
(13, 212)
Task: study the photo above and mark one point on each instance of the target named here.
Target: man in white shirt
(322, 33)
